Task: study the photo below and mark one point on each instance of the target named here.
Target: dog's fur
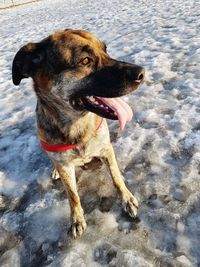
(64, 67)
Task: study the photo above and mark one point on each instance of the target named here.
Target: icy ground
(158, 152)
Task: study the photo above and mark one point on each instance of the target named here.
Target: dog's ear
(26, 62)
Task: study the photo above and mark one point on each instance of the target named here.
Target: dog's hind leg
(67, 175)
(130, 203)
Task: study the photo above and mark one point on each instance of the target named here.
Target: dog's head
(74, 65)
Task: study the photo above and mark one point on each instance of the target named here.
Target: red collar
(64, 147)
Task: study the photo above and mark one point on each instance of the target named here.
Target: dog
(78, 85)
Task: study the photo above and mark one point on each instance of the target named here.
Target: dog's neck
(55, 126)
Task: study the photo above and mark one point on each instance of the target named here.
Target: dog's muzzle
(100, 92)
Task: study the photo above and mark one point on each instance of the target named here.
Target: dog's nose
(140, 74)
(136, 73)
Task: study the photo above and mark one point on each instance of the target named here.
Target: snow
(158, 152)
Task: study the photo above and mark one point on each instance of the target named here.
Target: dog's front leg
(130, 203)
(67, 175)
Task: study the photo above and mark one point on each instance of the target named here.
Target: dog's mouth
(110, 108)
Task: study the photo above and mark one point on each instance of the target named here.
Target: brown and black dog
(77, 83)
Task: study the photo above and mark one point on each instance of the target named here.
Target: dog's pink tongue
(122, 109)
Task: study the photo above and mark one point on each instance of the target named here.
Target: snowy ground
(158, 152)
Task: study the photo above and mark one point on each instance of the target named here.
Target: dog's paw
(130, 204)
(55, 175)
(78, 227)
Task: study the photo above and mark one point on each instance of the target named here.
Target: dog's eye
(85, 61)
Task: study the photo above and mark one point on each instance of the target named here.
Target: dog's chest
(97, 147)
